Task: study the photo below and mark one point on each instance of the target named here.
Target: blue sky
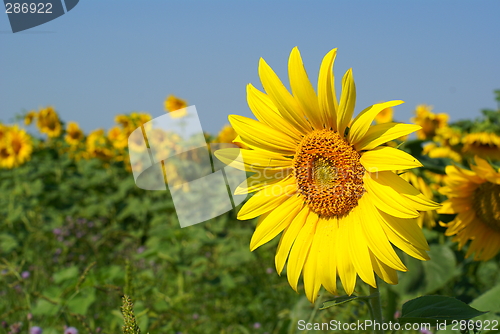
(109, 57)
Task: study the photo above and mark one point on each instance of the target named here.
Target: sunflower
(429, 121)
(15, 147)
(228, 135)
(117, 137)
(173, 103)
(74, 135)
(325, 181)
(475, 197)
(484, 144)
(385, 116)
(48, 122)
(427, 218)
(98, 145)
(435, 151)
(28, 119)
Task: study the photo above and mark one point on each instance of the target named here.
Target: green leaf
(440, 269)
(338, 301)
(65, 274)
(7, 243)
(433, 309)
(489, 301)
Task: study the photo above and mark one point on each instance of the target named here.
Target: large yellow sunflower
(326, 181)
(475, 197)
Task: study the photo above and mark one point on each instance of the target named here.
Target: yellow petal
(260, 135)
(302, 89)
(406, 229)
(312, 281)
(326, 91)
(383, 271)
(261, 180)
(376, 237)
(345, 268)
(347, 102)
(253, 160)
(268, 199)
(276, 222)
(410, 196)
(386, 200)
(358, 249)
(300, 249)
(288, 237)
(288, 107)
(327, 263)
(265, 111)
(382, 133)
(387, 158)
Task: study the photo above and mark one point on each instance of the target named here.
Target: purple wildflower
(36, 330)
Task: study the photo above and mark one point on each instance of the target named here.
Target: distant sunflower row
(17, 145)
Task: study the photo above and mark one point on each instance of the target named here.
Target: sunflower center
(329, 174)
(486, 203)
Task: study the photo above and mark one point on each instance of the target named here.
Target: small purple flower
(57, 231)
(256, 325)
(397, 314)
(425, 331)
(25, 274)
(36, 330)
(196, 316)
(141, 249)
(269, 270)
(71, 330)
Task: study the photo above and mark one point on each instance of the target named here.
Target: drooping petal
(327, 98)
(345, 266)
(312, 281)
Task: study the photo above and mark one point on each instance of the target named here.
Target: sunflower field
(84, 250)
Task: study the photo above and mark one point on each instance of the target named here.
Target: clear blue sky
(109, 57)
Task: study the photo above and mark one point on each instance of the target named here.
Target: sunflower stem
(376, 310)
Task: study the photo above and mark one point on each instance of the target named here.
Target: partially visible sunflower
(173, 103)
(28, 119)
(475, 197)
(48, 122)
(434, 151)
(15, 147)
(486, 145)
(74, 135)
(429, 121)
(426, 218)
(385, 116)
(98, 145)
(118, 137)
(326, 181)
(228, 135)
